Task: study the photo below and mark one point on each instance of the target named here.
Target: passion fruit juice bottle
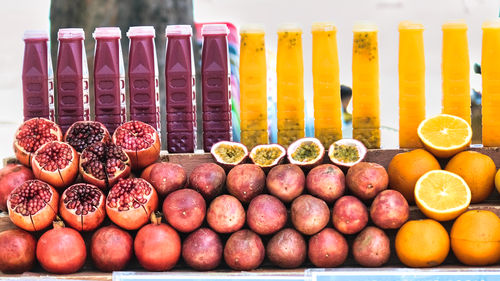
(455, 70)
(143, 76)
(38, 77)
(72, 78)
(411, 83)
(490, 72)
(180, 87)
(216, 95)
(109, 78)
(253, 87)
(327, 108)
(365, 86)
(290, 85)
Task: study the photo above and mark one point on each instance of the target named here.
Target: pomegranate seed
(83, 198)
(135, 136)
(103, 159)
(55, 155)
(30, 197)
(128, 193)
(82, 134)
(34, 133)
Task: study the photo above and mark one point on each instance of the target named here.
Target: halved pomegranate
(229, 154)
(130, 203)
(347, 152)
(103, 164)
(84, 133)
(33, 205)
(306, 153)
(140, 141)
(82, 206)
(267, 155)
(56, 163)
(32, 134)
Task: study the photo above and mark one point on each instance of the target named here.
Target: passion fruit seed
(83, 134)
(345, 153)
(266, 156)
(34, 133)
(83, 198)
(54, 156)
(229, 153)
(30, 197)
(129, 193)
(135, 136)
(306, 152)
(103, 159)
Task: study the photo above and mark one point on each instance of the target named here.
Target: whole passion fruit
(306, 153)
(346, 153)
(229, 154)
(267, 156)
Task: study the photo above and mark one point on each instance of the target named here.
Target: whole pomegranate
(56, 163)
(103, 164)
(140, 141)
(82, 206)
(111, 248)
(184, 209)
(61, 250)
(85, 133)
(244, 250)
(167, 177)
(17, 251)
(208, 179)
(157, 246)
(32, 134)
(33, 205)
(131, 202)
(202, 249)
(12, 176)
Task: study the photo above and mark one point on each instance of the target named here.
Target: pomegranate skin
(12, 176)
(157, 247)
(111, 248)
(208, 179)
(244, 250)
(184, 209)
(61, 250)
(167, 177)
(17, 251)
(202, 249)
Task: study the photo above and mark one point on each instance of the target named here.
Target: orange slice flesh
(442, 195)
(445, 135)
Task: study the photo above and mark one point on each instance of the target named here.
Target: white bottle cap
(107, 32)
(35, 34)
(141, 31)
(214, 29)
(71, 33)
(178, 30)
(252, 28)
(323, 26)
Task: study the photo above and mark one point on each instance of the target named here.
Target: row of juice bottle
(72, 81)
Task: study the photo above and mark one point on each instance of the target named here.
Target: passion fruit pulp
(267, 155)
(306, 152)
(347, 152)
(229, 154)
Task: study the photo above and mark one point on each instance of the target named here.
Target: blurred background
(17, 16)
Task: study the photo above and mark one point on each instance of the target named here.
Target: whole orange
(422, 243)
(478, 171)
(475, 238)
(406, 168)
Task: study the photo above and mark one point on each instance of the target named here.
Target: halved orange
(445, 135)
(442, 195)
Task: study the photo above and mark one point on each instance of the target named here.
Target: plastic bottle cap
(289, 27)
(457, 24)
(323, 26)
(214, 29)
(252, 28)
(35, 34)
(141, 31)
(493, 24)
(71, 33)
(405, 25)
(365, 27)
(107, 32)
(178, 30)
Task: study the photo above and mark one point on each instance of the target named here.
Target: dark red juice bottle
(38, 77)
(216, 95)
(72, 78)
(180, 88)
(143, 76)
(109, 78)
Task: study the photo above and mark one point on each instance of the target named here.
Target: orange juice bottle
(455, 70)
(365, 86)
(325, 67)
(253, 87)
(411, 83)
(490, 72)
(290, 85)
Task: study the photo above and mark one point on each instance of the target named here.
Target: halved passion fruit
(229, 154)
(347, 152)
(306, 152)
(267, 155)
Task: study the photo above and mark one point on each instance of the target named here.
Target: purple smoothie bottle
(109, 78)
(215, 75)
(143, 76)
(38, 77)
(72, 78)
(180, 88)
